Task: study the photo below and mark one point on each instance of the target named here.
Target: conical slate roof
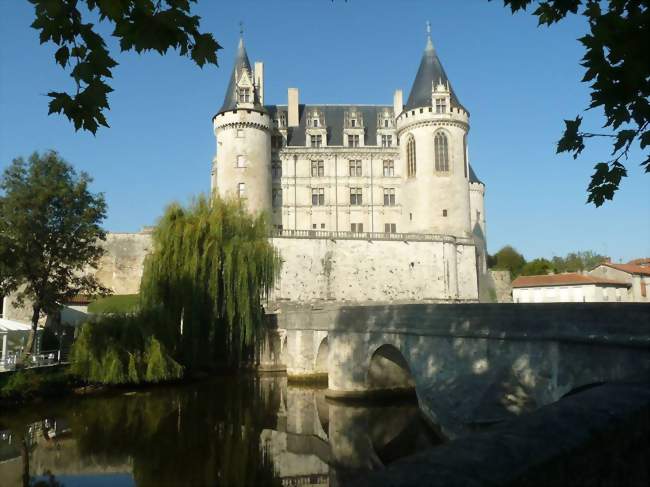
(473, 178)
(430, 73)
(241, 64)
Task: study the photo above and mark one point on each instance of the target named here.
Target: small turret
(242, 127)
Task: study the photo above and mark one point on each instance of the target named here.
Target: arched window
(441, 151)
(410, 157)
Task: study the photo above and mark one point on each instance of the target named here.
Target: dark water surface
(252, 430)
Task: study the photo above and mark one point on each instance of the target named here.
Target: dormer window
(315, 124)
(353, 122)
(244, 95)
(385, 123)
(441, 105)
(353, 140)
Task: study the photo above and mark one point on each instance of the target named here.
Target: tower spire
(241, 29)
(429, 41)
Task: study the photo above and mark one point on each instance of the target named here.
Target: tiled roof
(630, 268)
(241, 64)
(642, 261)
(569, 279)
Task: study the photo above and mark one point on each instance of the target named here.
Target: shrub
(120, 303)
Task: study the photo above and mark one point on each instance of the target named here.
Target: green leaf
(61, 56)
(572, 140)
(624, 137)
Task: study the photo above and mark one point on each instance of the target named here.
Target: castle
(368, 202)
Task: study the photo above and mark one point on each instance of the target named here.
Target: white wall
(570, 294)
(382, 271)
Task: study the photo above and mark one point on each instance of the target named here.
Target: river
(247, 430)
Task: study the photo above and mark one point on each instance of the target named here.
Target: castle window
(356, 227)
(390, 228)
(355, 168)
(244, 95)
(241, 190)
(353, 140)
(441, 105)
(316, 140)
(386, 122)
(241, 161)
(356, 196)
(317, 169)
(389, 196)
(389, 168)
(410, 157)
(277, 197)
(386, 140)
(315, 122)
(353, 122)
(318, 196)
(444, 212)
(441, 151)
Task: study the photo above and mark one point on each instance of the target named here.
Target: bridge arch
(388, 370)
(321, 362)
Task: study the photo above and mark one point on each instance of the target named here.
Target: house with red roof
(606, 282)
(636, 273)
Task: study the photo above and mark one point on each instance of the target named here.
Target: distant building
(606, 282)
(566, 288)
(636, 273)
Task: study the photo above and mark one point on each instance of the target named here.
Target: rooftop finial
(429, 41)
(241, 29)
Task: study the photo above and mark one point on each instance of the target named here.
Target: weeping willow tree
(209, 270)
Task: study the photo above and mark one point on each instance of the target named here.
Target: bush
(26, 384)
(122, 349)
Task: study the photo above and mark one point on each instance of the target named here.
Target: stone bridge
(469, 364)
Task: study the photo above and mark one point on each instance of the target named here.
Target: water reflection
(246, 431)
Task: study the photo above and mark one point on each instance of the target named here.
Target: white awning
(10, 325)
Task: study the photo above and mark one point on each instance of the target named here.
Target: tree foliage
(617, 63)
(121, 349)
(508, 259)
(139, 25)
(210, 267)
(537, 267)
(49, 233)
(578, 261)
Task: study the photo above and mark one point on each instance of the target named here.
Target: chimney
(398, 104)
(259, 80)
(293, 102)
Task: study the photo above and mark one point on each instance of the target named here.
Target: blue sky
(518, 81)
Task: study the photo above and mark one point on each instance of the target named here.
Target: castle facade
(368, 202)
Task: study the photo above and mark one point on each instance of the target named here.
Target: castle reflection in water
(255, 430)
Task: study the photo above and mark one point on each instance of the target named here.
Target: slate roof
(241, 63)
(429, 72)
(473, 178)
(334, 121)
(568, 279)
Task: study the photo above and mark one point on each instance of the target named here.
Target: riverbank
(31, 386)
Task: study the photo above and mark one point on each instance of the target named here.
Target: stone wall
(599, 437)
(379, 270)
(121, 267)
(502, 285)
